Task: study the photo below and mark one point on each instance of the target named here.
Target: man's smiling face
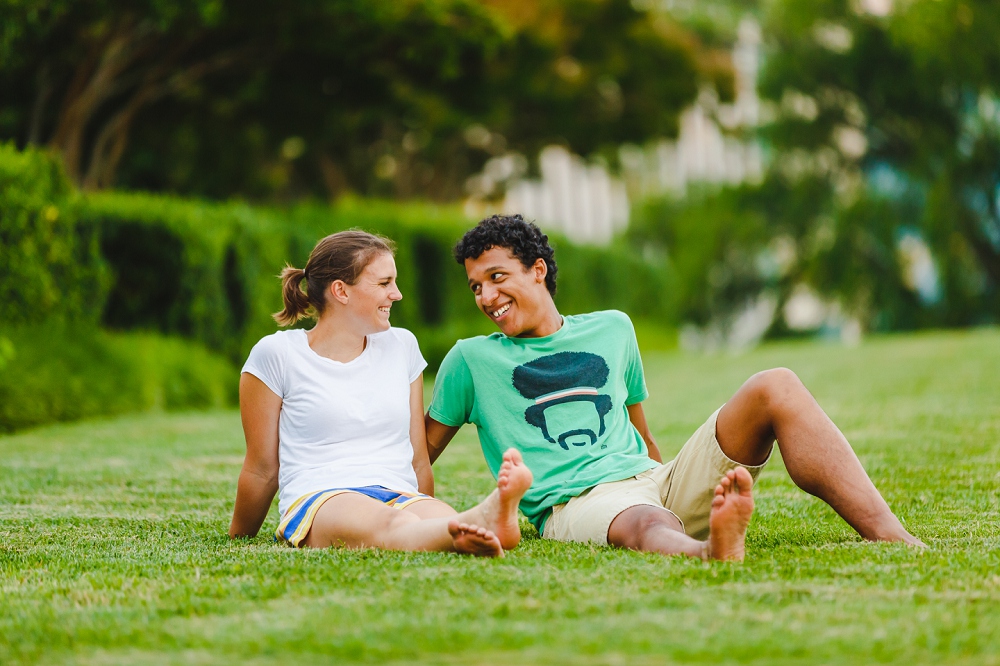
(515, 298)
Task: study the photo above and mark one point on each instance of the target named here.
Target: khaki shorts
(684, 487)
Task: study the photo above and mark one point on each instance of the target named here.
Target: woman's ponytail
(296, 300)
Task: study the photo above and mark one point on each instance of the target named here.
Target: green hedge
(208, 270)
(50, 264)
(63, 373)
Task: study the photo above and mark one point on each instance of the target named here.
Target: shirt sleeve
(267, 363)
(454, 391)
(635, 379)
(414, 359)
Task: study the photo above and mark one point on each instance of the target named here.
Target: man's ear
(540, 269)
(338, 291)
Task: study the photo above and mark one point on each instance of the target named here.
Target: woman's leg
(357, 521)
(353, 520)
(429, 508)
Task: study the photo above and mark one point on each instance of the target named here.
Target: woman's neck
(336, 341)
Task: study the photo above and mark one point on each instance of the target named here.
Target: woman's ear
(338, 291)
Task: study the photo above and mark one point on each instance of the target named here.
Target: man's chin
(508, 329)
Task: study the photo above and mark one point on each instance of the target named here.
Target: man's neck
(549, 324)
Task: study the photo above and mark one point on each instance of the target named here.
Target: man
(568, 391)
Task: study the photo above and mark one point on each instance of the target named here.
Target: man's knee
(776, 388)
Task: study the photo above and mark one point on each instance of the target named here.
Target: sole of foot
(474, 540)
(732, 507)
(513, 481)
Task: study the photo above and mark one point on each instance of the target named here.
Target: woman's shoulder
(277, 343)
(396, 336)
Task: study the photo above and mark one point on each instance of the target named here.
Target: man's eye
(496, 276)
(475, 288)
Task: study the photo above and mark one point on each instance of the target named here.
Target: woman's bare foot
(498, 512)
(732, 507)
(474, 540)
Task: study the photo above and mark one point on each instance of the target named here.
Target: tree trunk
(97, 79)
(112, 139)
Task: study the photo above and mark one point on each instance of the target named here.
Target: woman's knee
(354, 521)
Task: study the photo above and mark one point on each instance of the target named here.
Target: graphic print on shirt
(568, 409)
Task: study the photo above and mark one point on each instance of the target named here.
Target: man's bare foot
(498, 512)
(732, 507)
(474, 540)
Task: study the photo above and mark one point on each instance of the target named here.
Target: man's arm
(438, 436)
(638, 419)
(259, 409)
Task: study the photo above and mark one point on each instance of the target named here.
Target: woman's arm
(418, 438)
(259, 409)
(638, 418)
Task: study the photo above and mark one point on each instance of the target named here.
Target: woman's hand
(418, 438)
(259, 409)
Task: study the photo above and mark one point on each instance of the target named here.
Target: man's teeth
(501, 311)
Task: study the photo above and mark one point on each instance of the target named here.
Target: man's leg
(775, 405)
(653, 529)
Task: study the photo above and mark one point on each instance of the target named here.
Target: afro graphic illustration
(568, 409)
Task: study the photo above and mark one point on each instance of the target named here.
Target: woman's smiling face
(370, 299)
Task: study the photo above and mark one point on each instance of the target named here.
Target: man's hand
(638, 419)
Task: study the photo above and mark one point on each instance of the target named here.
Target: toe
(744, 479)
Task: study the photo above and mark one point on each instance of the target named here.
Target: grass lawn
(113, 546)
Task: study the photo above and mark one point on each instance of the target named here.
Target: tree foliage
(264, 99)
(899, 101)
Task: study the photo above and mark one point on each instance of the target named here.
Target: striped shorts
(298, 520)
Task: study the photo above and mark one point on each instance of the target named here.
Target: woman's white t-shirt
(342, 425)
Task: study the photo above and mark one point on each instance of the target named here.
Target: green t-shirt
(560, 400)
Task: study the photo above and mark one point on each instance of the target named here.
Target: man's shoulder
(601, 318)
(464, 348)
(478, 342)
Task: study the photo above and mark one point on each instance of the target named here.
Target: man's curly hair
(524, 240)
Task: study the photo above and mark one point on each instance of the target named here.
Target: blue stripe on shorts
(298, 520)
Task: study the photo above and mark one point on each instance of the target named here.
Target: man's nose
(487, 294)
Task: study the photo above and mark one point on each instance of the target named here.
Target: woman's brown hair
(340, 256)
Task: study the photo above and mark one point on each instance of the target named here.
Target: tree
(899, 101)
(262, 98)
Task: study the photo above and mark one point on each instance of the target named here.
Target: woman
(333, 419)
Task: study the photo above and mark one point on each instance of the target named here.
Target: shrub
(208, 271)
(63, 373)
(50, 264)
